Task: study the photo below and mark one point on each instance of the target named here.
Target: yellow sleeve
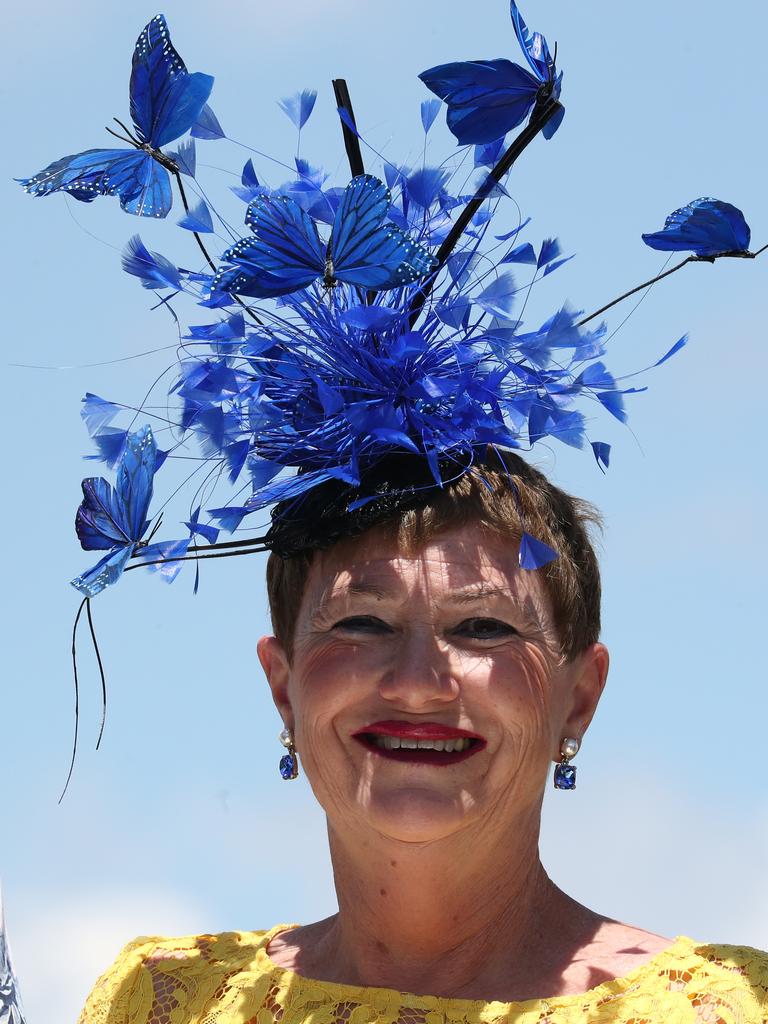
(123, 994)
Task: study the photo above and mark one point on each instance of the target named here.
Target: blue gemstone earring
(289, 763)
(565, 773)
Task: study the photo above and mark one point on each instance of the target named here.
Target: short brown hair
(504, 500)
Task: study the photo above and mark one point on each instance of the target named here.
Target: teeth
(398, 743)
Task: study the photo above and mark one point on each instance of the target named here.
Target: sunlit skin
(436, 866)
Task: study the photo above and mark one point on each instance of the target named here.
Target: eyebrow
(461, 597)
(357, 589)
(470, 594)
(360, 588)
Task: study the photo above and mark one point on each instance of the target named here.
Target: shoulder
(154, 976)
(705, 983)
(723, 968)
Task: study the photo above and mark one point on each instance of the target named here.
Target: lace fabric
(229, 979)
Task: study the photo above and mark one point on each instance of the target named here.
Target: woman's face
(454, 643)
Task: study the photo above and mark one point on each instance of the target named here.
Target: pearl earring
(289, 763)
(565, 773)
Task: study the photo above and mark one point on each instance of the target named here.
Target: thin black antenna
(95, 643)
(77, 697)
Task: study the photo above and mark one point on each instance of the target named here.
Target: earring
(565, 773)
(289, 763)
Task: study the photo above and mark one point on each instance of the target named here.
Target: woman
(427, 683)
(439, 609)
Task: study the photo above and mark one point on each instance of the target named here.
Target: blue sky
(180, 822)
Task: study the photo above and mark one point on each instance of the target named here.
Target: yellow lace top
(229, 979)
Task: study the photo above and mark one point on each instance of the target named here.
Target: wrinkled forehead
(458, 565)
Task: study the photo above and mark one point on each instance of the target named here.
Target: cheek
(520, 688)
(331, 673)
(329, 683)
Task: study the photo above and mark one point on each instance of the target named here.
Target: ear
(276, 667)
(590, 672)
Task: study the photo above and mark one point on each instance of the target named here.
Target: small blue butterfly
(166, 101)
(286, 254)
(706, 227)
(488, 98)
(115, 518)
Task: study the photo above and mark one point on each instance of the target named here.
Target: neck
(428, 917)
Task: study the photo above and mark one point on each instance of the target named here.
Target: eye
(362, 624)
(484, 629)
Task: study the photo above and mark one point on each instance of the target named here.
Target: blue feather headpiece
(363, 342)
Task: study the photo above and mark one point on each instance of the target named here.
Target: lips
(419, 743)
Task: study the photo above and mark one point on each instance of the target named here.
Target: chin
(416, 814)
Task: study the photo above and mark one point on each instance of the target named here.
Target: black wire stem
(177, 174)
(738, 254)
(539, 118)
(351, 141)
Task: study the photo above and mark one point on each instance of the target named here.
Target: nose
(420, 674)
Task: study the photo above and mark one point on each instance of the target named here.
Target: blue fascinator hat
(347, 347)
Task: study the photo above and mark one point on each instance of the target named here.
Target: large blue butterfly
(286, 253)
(488, 98)
(115, 518)
(166, 101)
(706, 227)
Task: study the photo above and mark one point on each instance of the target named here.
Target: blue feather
(499, 297)
(515, 231)
(110, 444)
(550, 250)
(164, 557)
(248, 177)
(97, 412)
(602, 453)
(198, 219)
(488, 155)
(425, 185)
(207, 126)
(522, 253)
(680, 343)
(299, 107)
(429, 111)
(152, 269)
(185, 156)
(198, 529)
(534, 553)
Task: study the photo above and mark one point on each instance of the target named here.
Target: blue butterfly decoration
(488, 98)
(115, 519)
(166, 101)
(706, 227)
(286, 254)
